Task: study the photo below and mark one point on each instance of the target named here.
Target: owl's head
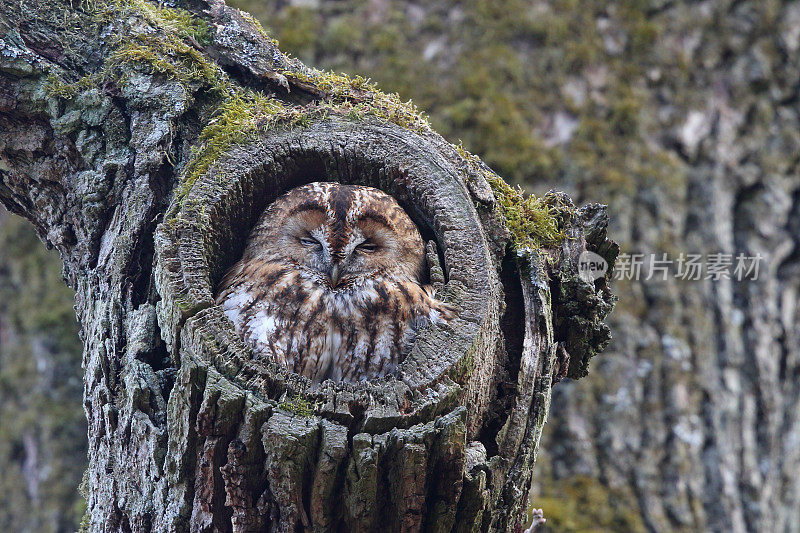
(340, 235)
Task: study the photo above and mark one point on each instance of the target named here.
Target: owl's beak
(335, 274)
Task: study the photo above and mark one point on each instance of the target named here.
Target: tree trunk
(696, 413)
(142, 142)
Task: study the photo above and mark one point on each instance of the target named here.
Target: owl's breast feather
(353, 333)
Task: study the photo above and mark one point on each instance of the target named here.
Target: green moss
(364, 97)
(237, 120)
(298, 405)
(171, 21)
(532, 221)
(170, 50)
(171, 58)
(55, 86)
(168, 47)
(244, 113)
(179, 22)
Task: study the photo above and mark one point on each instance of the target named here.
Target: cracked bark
(186, 433)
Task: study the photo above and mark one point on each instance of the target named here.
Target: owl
(330, 284)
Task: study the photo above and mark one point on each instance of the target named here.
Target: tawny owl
(330, 284)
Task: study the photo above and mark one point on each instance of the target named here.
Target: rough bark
(101, 114)
(696, 415)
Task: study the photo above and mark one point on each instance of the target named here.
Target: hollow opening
(208, 228)
(300, 167)
(306, 167)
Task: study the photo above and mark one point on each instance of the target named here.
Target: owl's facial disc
(346, 256)
(347, 235)
(361, 255)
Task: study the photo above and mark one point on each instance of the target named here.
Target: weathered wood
(187, 432)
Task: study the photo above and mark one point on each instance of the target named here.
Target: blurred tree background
(681, 116)
(42, 425)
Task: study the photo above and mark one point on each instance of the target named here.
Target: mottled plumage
(330, 283)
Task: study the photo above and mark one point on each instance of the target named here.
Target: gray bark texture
(696, 412)
(142, 142)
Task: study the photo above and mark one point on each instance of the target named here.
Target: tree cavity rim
(204, 232)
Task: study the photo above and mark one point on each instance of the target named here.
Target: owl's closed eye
(330, 284)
